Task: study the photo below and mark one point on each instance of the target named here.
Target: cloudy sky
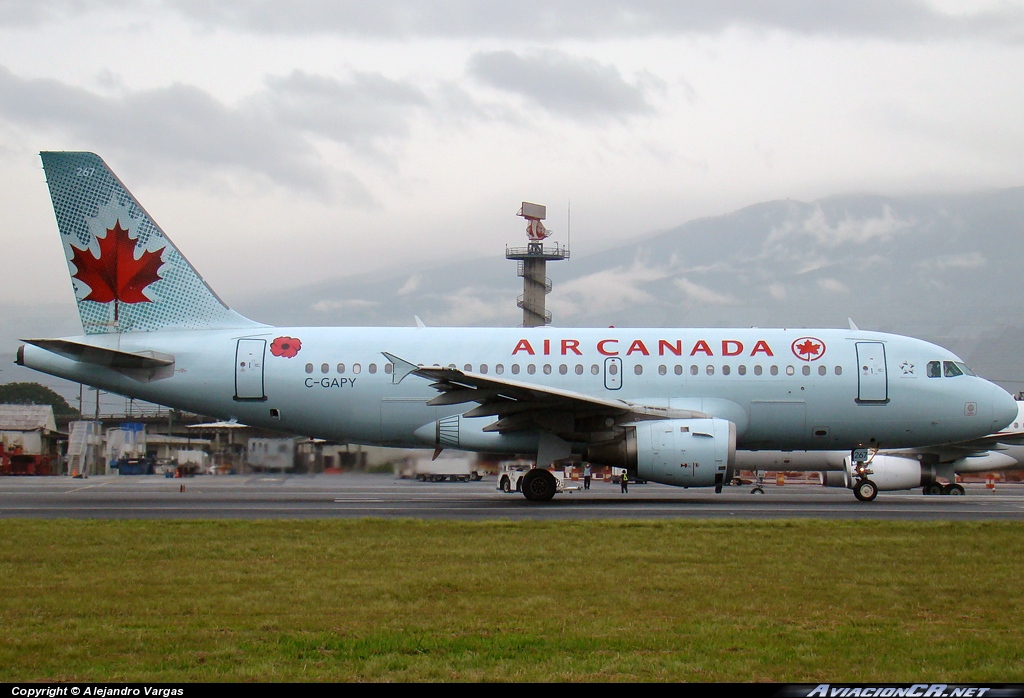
(281, 143)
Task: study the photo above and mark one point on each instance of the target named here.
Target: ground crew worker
(624, 481)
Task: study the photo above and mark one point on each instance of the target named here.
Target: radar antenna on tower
(532, 265)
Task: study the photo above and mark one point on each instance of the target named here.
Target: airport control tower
(532, 266)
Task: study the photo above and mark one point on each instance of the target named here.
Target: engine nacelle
(464, 434)
(887, 472)
(683, 452)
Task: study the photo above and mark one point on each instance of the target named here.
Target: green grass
(375, 600)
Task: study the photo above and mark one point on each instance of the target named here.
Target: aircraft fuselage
(785, 389)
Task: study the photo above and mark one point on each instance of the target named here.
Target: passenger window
(679, 370)
(807, 370)
(468, 368)
(356, 368)
(515, 369)
(934, 369)
(325, 368)
(757, 369)
(710, 370)
(693, 370)
(483, 368)
(595, 369)
(372, 368)
(309, 368)
(499, 368)
(531, 369)
(774, 370)
(839, 370)
(579, 369)
(790, 370)
(741, 369)
(638, 369)
(563, 369)
(725, 370)
(822, 370)
(547, 369)
(341, 368)
(389, 368)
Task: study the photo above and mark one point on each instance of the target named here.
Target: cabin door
(872, 380)
(249, 369)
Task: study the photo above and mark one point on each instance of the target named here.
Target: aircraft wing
(993, 442)
(520, 406)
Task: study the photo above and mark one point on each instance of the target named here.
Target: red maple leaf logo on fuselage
(808, 348)
(116, 275)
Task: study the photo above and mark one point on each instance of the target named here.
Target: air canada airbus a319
(669, 405)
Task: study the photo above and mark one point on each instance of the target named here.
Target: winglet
(419, 322)
(402, 368)
(853, 325)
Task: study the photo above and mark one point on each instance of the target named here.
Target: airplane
(668, 405)
(933, 469)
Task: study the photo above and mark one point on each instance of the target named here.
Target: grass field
(374, 600)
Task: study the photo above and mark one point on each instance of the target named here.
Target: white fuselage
(783, 389)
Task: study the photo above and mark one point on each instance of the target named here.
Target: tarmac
(276, 496)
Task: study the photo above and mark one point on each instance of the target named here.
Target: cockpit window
(968, 371)
(935, 369)
(951, 369)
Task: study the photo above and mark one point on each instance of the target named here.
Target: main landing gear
(539, 485)
(952, 488)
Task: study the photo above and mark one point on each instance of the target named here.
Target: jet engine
(458, 432)
(683, 452)
(887, 472)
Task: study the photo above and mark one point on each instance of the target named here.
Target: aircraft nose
(1004, 408)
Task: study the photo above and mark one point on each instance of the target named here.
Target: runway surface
(359, 495)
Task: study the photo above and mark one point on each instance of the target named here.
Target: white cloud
(968, 260)
(833, 286)
(330, 306)
(586, 19)
(607, 291)
(703, 294)
(848, 229)
(578, 88)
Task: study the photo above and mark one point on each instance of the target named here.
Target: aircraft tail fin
(127, 274)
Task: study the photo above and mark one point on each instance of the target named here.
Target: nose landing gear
(863, 489)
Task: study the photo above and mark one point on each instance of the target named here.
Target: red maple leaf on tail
(116, 275)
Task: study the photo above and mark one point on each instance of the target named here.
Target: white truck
(458, 469)
(511, 472)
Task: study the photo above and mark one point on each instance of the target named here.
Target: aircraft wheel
(757, 490)
(953, 489)
(934, 488)
(539, 485)
(506, 486)
(865, 490)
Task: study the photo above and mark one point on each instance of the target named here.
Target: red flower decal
(808, 348)
(285, 346)
(116, 275)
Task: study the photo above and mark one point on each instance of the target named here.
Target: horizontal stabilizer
(144, 365)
